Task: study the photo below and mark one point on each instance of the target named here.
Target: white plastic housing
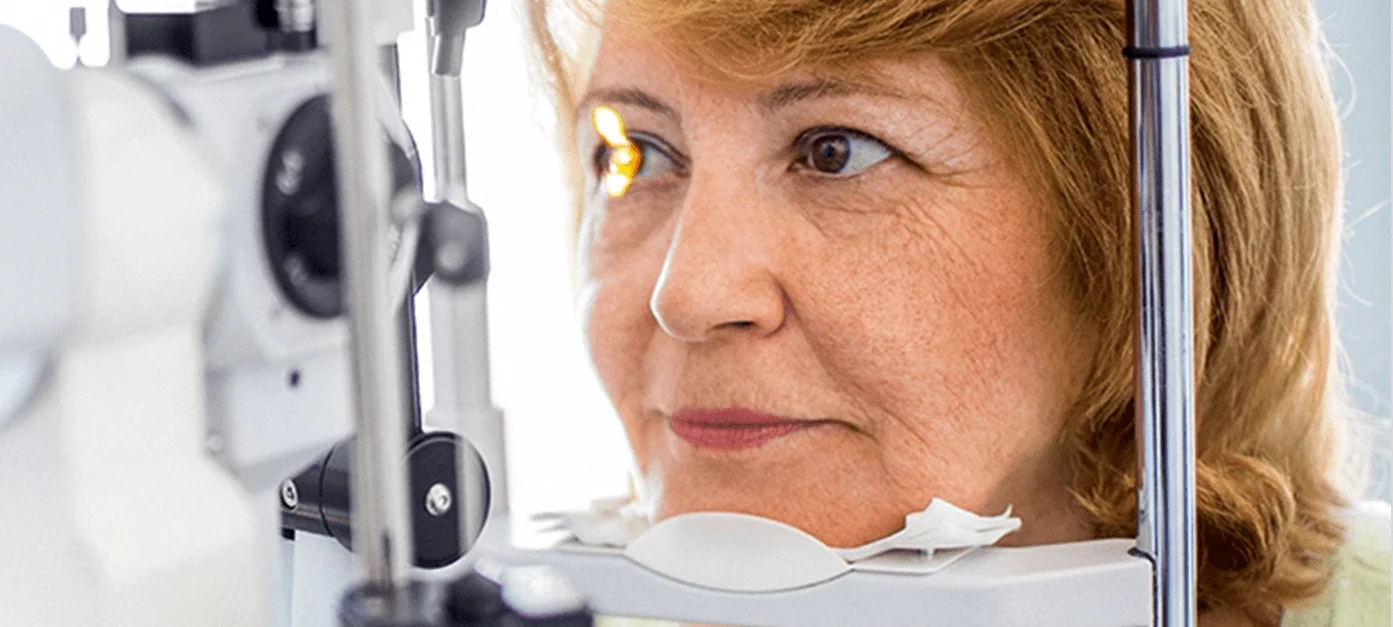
(40, 203)
(115, 515)
(261, 425)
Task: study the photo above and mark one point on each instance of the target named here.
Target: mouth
(734, 429)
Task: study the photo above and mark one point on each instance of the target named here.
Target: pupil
(830, 153)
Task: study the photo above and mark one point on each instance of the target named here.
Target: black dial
(300, 208)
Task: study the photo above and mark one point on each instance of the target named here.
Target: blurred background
(564, 443)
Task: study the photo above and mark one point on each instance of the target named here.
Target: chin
(837, 517)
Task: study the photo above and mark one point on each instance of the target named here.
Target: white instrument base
(1084, 584)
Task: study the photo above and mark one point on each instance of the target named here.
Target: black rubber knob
(475, 601)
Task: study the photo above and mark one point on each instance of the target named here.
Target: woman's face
(826, 301)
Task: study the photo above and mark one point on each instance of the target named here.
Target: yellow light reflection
(625, 159)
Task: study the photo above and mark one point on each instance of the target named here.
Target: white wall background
(1358, 31)
(564, 443)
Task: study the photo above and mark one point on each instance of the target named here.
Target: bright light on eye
(610, 126)
(617, 184)
(625, 159)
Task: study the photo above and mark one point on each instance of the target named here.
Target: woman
(879, 252)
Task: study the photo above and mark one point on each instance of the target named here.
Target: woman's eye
(839, 152)
(655, 162)
(654, 158)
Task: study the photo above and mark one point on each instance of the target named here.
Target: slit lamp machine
(209, 411)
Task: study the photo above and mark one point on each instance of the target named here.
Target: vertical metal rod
(390, 56)
(459, 329)
(411, 370)
(381, 534)
(77, 30)
(116, 34)
(1158, 53)
(447, 138)
(459, 315)
(295, 16)
(459, 334)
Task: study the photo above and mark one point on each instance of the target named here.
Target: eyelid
(661, 146)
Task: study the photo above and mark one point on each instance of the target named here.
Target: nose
(718, 280)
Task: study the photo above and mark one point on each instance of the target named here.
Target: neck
(1038, 491)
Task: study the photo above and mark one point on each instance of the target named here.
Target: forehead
(626, 61)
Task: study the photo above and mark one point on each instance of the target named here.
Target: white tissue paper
(611, 522)
(617, 522)
(941, 526)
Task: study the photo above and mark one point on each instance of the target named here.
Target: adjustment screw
(438, 500)
(290, 495)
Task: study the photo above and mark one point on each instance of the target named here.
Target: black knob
(475, 601)
(300, 216)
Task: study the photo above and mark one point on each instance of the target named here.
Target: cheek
(615, 335)
(616, 284)
(946, 324)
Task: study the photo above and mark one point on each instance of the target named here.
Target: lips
(734, 429)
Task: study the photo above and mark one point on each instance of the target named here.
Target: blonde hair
(1266, 196)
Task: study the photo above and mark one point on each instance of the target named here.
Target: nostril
(740, 324)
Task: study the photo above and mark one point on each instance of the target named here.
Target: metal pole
(447, 22)
(381, 533)
(295, 16)
(447, 138)
(116, 34)
(1158, 54)
(390, 56)
(459, 315)
(77, 30)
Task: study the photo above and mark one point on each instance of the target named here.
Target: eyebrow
(770, 102)
(628, 96)
(788, 95)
